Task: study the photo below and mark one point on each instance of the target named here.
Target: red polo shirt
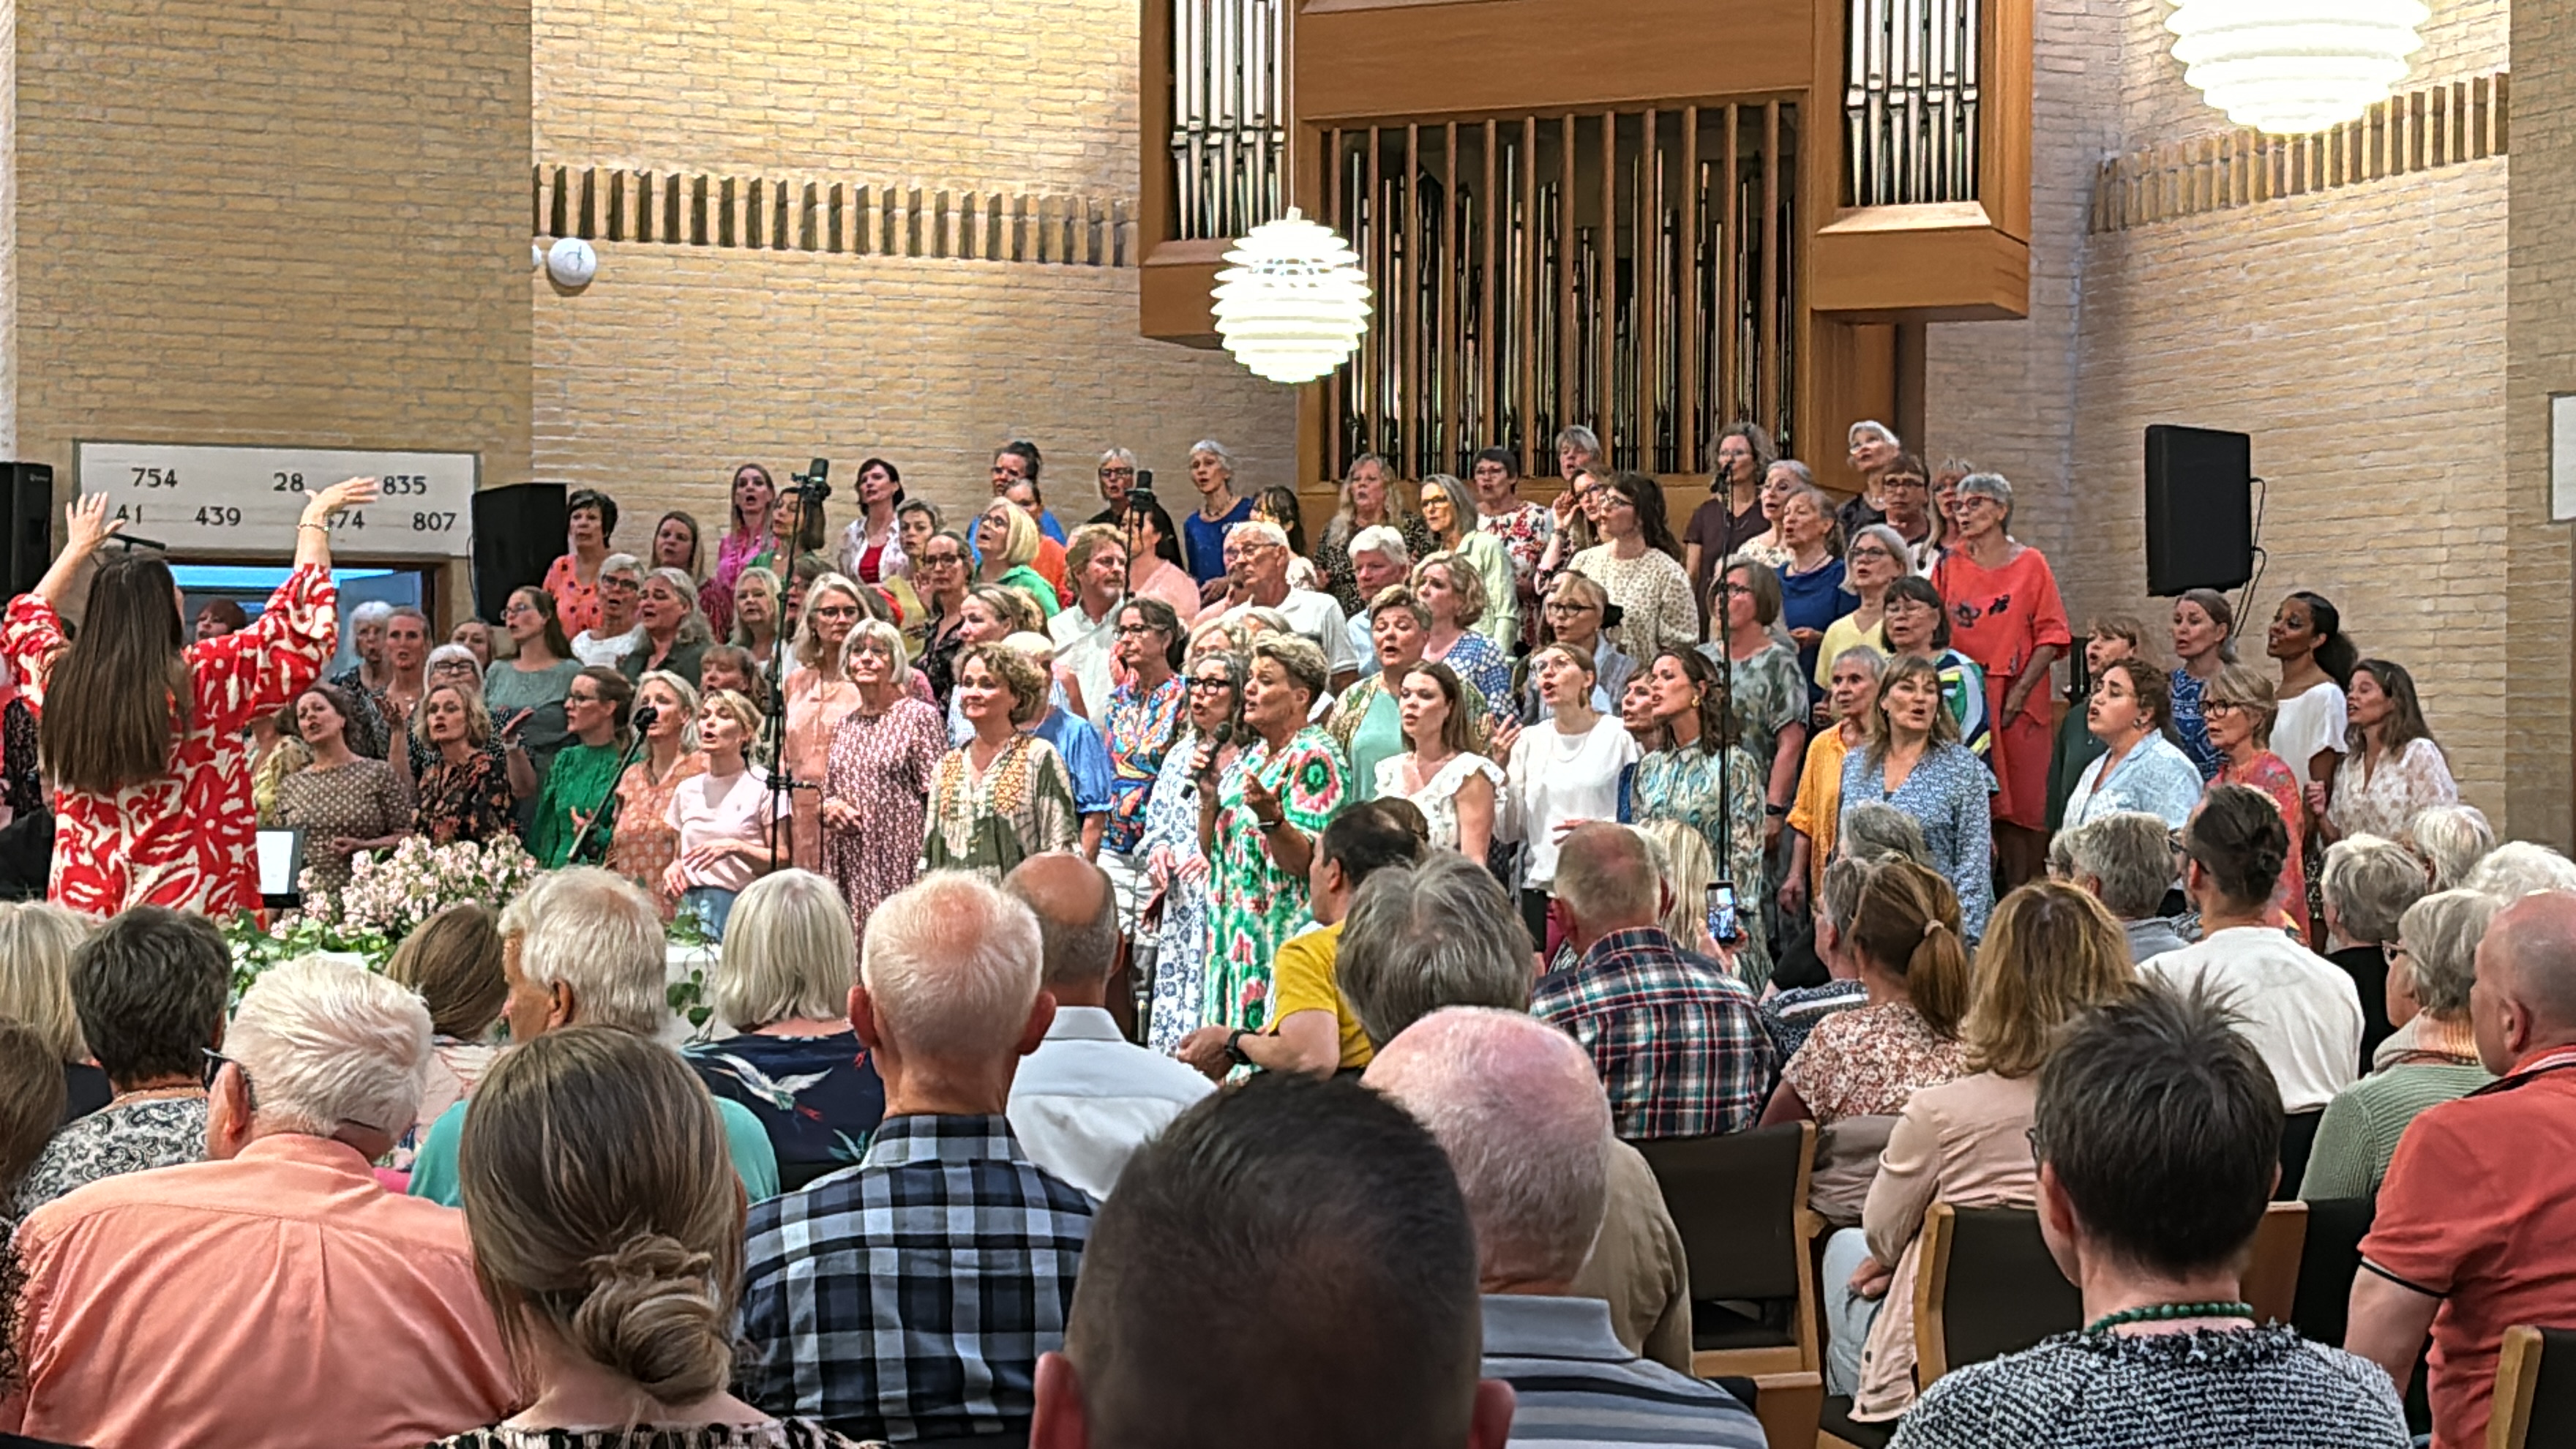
(2479, 1208)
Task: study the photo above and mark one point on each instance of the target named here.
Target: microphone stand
(782, 778)
(633, 747)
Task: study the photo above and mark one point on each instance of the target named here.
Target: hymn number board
(210, 501)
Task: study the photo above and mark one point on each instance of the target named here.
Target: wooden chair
(1985, 1286)
(2271, 1281)
(2535, 1389)
(1740, 1202)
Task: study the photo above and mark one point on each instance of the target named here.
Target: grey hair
(1117, 455)
(809, 640)
(1864, 656)
(457, 652)
(622, 563)
(1872, 829)
(2129, 855)
(2521, 868)
(37, 939)
(1989, 485)
(1805, 475)
(2441, 933)
(1421, 937)
(373, 611)
(1897, 548)
(1839, 896)
(1260, 528)
(880, 633)
(322, 1043)
(1526, 1125)
(1603, 878)
(1869, 426)
(790, 953)
(693, 624)
(1580, 438)
(2368, 882)
(2452, 839)
(1378, 538)
(598, 934)
(1216, 450)
(1298, 655)
(952, 965)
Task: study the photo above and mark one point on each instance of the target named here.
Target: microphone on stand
(643, 719)
(646, 716)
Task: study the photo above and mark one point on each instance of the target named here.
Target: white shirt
(1087, 1098)
(1319, 618)
(1082, 645)
(1556, 777)
(2299, 1009)
(606, 650)
(2309, 722)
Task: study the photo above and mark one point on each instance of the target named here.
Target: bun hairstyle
(2336, 654)
(2239, 838)
(633, 1258)
(1906, 923)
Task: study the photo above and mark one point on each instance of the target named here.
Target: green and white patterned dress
(1682, 785)
(1021, 806)
(1259, 905)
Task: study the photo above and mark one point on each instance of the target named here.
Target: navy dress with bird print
(818, 1097)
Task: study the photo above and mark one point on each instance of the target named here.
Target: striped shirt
(1574, 1383)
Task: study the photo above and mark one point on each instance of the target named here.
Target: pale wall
(2540, 341)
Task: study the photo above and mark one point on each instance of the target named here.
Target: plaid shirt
(910, 1296)
(1675, 1038)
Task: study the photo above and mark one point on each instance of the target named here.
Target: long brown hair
(1907, 923)
(117, 702)
(2051, 951)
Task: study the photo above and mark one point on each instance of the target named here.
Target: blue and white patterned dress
(1181, 941)
(1947, 794)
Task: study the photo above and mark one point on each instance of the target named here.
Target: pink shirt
(705, 809)
(1171, 585)
(283, 1299)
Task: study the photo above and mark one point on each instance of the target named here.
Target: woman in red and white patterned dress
(152, 803)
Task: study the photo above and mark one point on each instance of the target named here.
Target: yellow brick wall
(292, 222)
(2540, 358)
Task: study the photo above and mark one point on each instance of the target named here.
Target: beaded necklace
(2167, 1313)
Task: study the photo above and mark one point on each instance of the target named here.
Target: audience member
(37, 942)
(1087, 1098)
(1526, 1126)
(2367, 884)
(2431, 970)
(1289, 1266)
(1904, 938)
(2053, 953)
(1675, 1035)
(910, 1297)
(2126, 860)
(454, 960)
(1789, 1015)
(275, 1295)
(582, 947)
(149, 988)
(31, 1108)
(2301, 1013)
(782, 984)
(2157, 1131)
(2452, 839)
(2479, 1203)
(1423, 938)
(614, 1273)
(2520, 868)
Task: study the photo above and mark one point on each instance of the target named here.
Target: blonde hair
(809, 641)
(2249, 691)
(1906, 922)
(736, 707)
(478, 715)
(1464, 582)
(1019, 537)
(686, 693)
(789, 953)
(1683, 860)
(2051, 951)
(37, 939)
(454, 962)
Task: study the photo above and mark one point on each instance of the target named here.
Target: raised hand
(347, 493)
(86, 524)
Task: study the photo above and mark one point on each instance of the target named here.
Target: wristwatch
(1234, 1047)
(1770, 809)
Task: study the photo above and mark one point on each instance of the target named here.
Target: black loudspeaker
(2200, 509)
(518, 534)
(27, 503)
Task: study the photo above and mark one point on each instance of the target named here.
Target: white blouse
(1556, 777)
(2384, 801)
(2310, 721)
(1438, 797)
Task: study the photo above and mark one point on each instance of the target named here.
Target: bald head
(1521, 1114)
(1607, 880)
(2525, 996)
(1077, 922)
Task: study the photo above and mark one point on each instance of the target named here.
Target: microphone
(645, 717)
(1217, 740)
(134, 541)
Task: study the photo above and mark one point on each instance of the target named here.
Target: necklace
(2167, 1313)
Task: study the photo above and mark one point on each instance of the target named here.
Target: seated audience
(275, 1295)
(582, 947)
(2479, 1204)
(2430, 972)
(1790, 1015)
(2368, 883)
(1313, 1028)
(37, 942)
(1904, 938)
(1087, 1098)
(1426, 937)
(2126, 860)
(615, 1271)
(1290, 1266)
(149, 987)
(910, 1297)
(2452, 839)
(1526, 1126)
(2053, 953)
(2301, 1013)
(31, 1107)
(2158, 1133)
(1674, 1034)
(454, 961)
(782, 984)
(2519, 868)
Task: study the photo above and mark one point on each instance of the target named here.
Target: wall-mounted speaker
(27, 507)
(518, 534)
(2200, 509)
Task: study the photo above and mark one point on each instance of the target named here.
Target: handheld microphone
(1217, 740)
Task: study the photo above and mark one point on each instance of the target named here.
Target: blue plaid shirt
(910, 1296)
(1675, 1038)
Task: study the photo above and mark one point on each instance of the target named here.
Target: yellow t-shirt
(1840, 635)
(1301, 979)
(1817, 812)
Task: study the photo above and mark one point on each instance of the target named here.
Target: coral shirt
(182, 839)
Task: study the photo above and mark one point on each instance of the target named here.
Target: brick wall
(292, 222)
(2540, 351)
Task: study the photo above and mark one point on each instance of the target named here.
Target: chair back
(2329, 1255)
(2271, 1281)
(1736, 1200)
(1985, 1286)
(2535, 1389)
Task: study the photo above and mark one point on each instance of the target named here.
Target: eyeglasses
(1135, 631)
(582, 699)
(837, 611)
(628, 585)
(940, 560)
(1117, 472)
(515, 609)
(1870, 552)
(1214, 683)
(2219, 706)
(1901, 480)
(1562, 607)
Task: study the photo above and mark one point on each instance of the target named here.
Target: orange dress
(2273, 776)
(2000, 618)
(643, 843)
(815, 709)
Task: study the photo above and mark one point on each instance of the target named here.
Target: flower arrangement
(387, 898)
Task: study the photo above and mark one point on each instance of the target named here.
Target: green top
(1032, 583)
(582, 777)
(434, 1176)
(2359, 1131)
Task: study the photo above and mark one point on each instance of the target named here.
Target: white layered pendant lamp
(1293, 302)
(2294, 66)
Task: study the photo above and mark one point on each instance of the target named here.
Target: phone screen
(1722, 924)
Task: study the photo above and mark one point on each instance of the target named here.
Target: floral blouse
(1653, 595)
(1020, 805)
(2191, 725)
(467, 799)
(1948, 793)
(1258, 903)
(1865, 1062)
(644, 842)
(818, 1097)
(183, 838)
(2384, 801)
(1481, 662)
(882, 764)
(1139, 730)
(1682, 784)
(576, 603)
(1769, 693)
(1524, 533)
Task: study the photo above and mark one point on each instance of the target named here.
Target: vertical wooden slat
(1766, 372)
(1376, 404)
(1452, 274)
(1334, 396)
(1603, 413)
(1526, 404)
(1568, 352)
(1730, 247)
(1686, 287)
(2499, 136)
(1647, 268)
(1409, 293)
(1489, 328)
